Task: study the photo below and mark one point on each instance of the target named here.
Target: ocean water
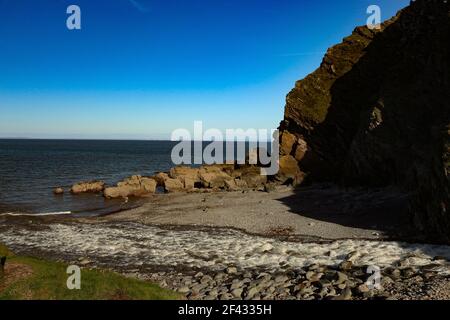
(31, 169)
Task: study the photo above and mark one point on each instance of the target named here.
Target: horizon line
(116, 139)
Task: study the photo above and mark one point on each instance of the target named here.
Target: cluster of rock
(83, 187)
(206, 178)
(88, 187)
(134, 186)
(315, 282)
(376, 112)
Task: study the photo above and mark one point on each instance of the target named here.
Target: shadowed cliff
(376, 113)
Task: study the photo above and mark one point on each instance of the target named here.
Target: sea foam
(131, 245)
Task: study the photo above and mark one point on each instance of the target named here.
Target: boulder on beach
(288, 141)
(188, 176)
(134, 186)
(289, 171)
(173, 181)
(184, 171)
(116, 192)
(173, 185)
(188, 182)
(90, 186)
(58, 191)
(160, 177)
(254, 181)
(214, 179)
(249, 176)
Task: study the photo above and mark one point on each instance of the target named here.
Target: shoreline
(223, 245)
(205, 265)
(194, 255)
(256, 213)
(285, 212)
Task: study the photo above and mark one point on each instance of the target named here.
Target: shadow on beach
(385, 210)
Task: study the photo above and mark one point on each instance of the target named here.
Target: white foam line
(133, 244)
(36, 214)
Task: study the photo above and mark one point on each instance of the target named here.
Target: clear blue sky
(142, 68)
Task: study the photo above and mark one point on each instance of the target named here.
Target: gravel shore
(252, 245)
(317, 212)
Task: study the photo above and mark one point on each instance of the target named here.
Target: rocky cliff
(377, 112)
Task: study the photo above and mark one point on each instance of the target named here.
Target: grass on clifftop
(31, 278)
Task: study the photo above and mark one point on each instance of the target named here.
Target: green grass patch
(4, 251)
(48, 281)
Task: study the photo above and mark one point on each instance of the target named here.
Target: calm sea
(30, 169)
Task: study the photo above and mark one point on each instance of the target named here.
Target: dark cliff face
(377, 112)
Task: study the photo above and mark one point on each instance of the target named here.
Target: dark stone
(2, 265)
